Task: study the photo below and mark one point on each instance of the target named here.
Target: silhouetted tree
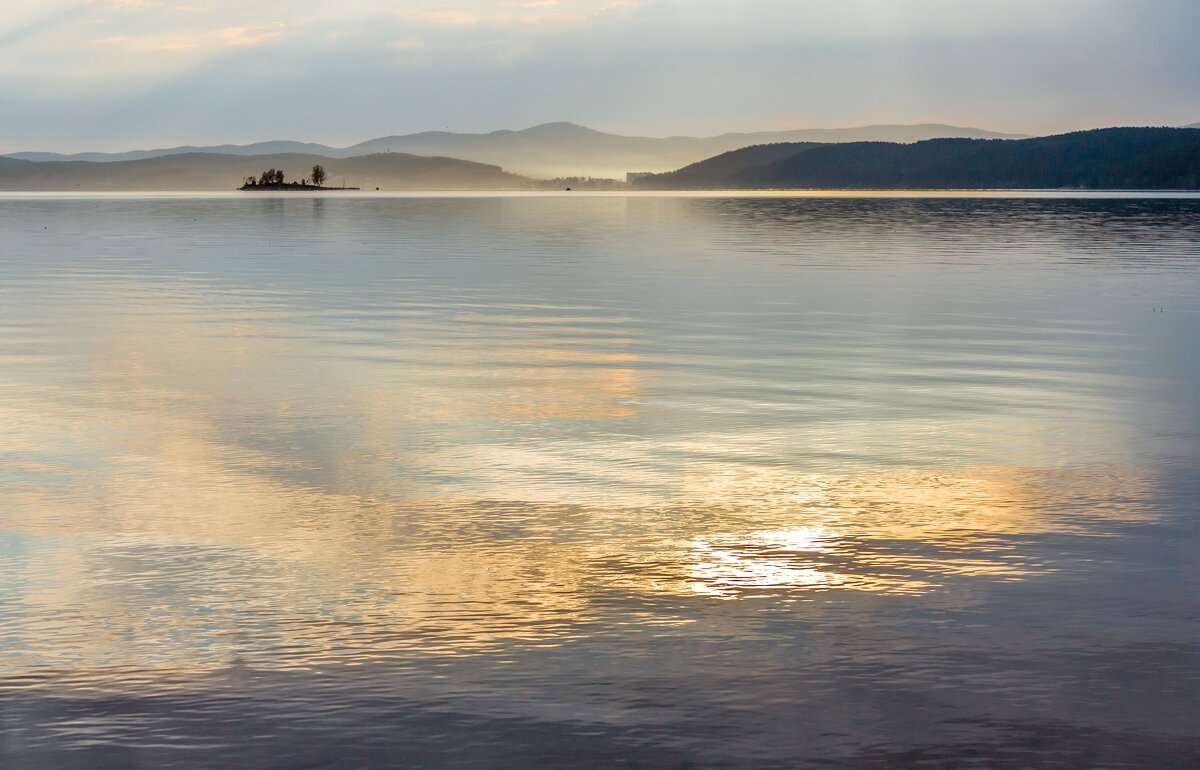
(271, 176)
(318, 175)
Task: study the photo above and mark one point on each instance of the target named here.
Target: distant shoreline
(733, 192)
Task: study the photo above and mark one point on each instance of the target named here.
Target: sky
(126, 74)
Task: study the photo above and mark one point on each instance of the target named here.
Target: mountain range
(1110, 159)
(1120, 158)
(208, 171)
(553, 149)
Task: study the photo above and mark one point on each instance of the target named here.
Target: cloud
(142, 5)
(531, 3)
(122, 4)
(238, 36)
(455, 17)
(149, 71)
(513, 13)
(227, 37)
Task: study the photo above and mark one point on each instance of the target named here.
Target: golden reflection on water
(513, 542)
(725, 566)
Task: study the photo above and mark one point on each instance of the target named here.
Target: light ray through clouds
(172, 71)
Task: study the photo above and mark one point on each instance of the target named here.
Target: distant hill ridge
(208, 171)
(1120, 158)
(1116, 158)
(553, 149)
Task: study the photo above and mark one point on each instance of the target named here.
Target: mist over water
(599, 481)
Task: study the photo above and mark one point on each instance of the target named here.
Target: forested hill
(1104, 159)
(729, 165)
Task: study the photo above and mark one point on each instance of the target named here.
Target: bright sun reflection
(724, 565)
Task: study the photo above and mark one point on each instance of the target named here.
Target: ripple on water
(669, 480)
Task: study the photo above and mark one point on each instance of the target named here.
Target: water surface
(599, 481)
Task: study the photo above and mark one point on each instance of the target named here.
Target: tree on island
(271, 177)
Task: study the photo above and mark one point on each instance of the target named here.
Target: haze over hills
(1125, 158)
(1115, 158)
(556, 149)
(209, 171)
(258, 148)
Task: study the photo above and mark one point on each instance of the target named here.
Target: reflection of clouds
(156, 438)
(217, 480)
(902, 531)
(535, 383)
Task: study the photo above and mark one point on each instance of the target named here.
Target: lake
(592, 481)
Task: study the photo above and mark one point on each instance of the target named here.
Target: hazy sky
(119, 74)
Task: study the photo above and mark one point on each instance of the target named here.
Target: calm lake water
(599, 481)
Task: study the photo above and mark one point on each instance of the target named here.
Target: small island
(273, 179)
